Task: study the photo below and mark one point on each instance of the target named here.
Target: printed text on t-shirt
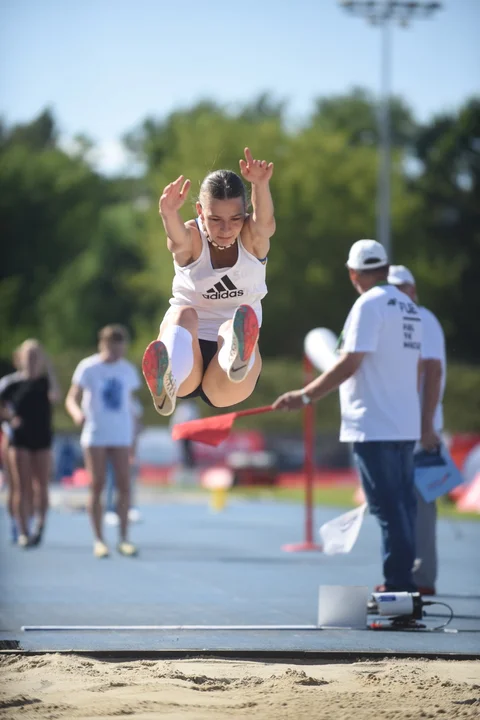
(410, 318)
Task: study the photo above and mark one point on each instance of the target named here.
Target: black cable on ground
(437, 602)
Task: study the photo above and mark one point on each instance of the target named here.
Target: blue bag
(435, 473)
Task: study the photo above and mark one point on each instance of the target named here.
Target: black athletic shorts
(31, 438)
(208, 349)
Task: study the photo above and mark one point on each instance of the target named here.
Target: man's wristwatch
(306, 400)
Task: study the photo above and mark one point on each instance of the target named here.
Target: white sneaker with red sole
(242, 342)
(158, 375)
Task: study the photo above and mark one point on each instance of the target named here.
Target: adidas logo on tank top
(223, 289)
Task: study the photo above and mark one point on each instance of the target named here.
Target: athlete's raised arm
(261, 223)
(179, 237)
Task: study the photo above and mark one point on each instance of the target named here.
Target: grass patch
(340, 496)
(336, 496)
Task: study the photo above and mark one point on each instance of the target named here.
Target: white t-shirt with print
(380, 401)
(433, 348)
(107, 401)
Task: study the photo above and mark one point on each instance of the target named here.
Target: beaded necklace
(216, 245)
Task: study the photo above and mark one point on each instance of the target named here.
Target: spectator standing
(432, 387)
(100, 400)
(377, 374)
(26, 398)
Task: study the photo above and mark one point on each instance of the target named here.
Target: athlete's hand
(257, 172)
(173, 196)
(289, 401)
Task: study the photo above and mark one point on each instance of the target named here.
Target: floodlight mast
(384, 14)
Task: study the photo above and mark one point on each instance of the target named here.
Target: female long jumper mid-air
(207, 346)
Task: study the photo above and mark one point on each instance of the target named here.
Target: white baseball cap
(400, 275)
(367, 255)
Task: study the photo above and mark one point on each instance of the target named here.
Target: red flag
(212, 430)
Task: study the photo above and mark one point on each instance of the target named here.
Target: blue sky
(104, 65)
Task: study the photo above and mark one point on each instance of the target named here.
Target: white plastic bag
(340, 534)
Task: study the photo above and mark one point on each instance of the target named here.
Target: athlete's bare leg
(21, 476)
(7, 474)
(219, 389)
(41, 468)
(120, 459)
(96, 464)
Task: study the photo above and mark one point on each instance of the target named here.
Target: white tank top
(215, 293)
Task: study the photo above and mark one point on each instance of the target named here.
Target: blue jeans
(386, 471)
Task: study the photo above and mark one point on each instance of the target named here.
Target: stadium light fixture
(384, 14)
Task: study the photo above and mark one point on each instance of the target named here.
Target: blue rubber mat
(227, 569)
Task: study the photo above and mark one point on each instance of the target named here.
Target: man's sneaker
(100, 550)
(111, 519)
(37, 536)
(134, 515)
(126, 548)
(423, 590)
(23, 541)
(157, 373)
(243, 340)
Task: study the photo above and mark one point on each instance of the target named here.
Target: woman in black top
(26, 402)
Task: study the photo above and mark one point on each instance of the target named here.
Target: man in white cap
(377, 373)
(434, 368)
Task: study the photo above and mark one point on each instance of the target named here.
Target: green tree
(96, 288)
(446, 256)
(40, 134)
(48, 207)
(356, 114)
(51, 210)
